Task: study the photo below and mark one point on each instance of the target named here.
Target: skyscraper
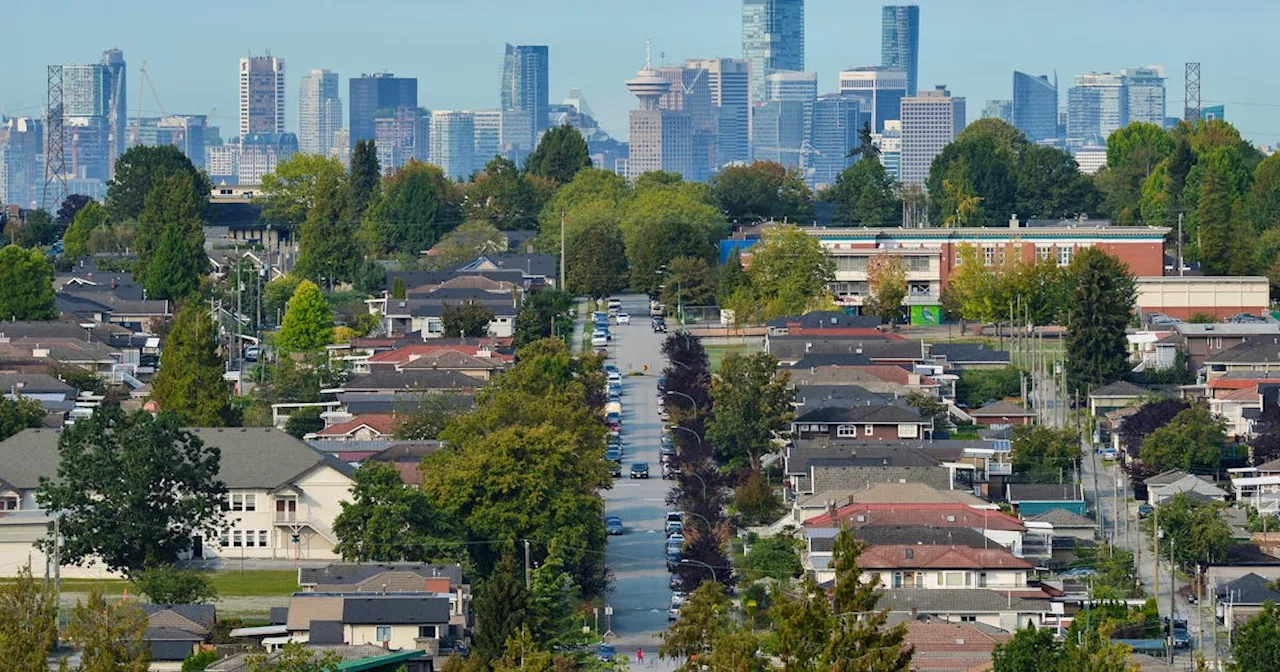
(21, 171)
(772, 39)
(998, 109)
(319, 112)
(525, 71)
(930, 121)
(1146, 93)
(260, 153)
(881, 89)
(729, 84)
(487, 125)
(890, 144)
(834, 121)
(379, 91)
(778, 132)
(117, 107)
(453, 138)
(660, 139)
(900, 41)
(400, 135)
(95, 115)
(1035, 106)
(261, 95)
(690, 93)
(1097, 105)
(791, 85)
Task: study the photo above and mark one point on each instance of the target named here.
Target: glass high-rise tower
(319, 112)
(772, 39)
(1035, 106)
(525, 70)
(900, 41)
(369, 94)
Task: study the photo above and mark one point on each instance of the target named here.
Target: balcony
(999, 468)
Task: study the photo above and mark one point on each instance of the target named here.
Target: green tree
(1044, 453)
(75, 242)
(199, 662)
(111, 635)
(1031, 649)
(789, 272)
(560, 154)
(732, 278)
(428, 418)
(594, 196)
(981, 168)
(866, 148)
(37, 229)
(501, 606)
(705, 618)
(865, 194)
(1005, 137)
(931, 408)
(167, 584)
(975, 387)
(139, 169)
(468, 320)
(304, 421)
(1133, 152)
(687, 281)
(1263, 204)
(665, 221)
(294, 657)
(505, 197)
(1192, 441)
(308, 321)
(327, 250)
(752, 403)
(27, 278)
(465, 243)
(596, 261)
(365, 176)
(763, 190)
(756, 500)
(776, 557)
(418, 206)
(1256, 645)
(111, 461)
(71, 206)
(388, 521)
(171, 225)
(1050, 184)
(189, 383)
(1226, 240)
(1194, 530)
(540, 312)
(1102, 298)
(28, 622)
(173, 270)
(19, 414)
(886, 287)
(276, 294)
(293, 188)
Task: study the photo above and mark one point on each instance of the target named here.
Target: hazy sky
(455, 48)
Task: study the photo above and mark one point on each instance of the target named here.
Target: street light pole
(691, 399)
(699, 562)
(686, 429)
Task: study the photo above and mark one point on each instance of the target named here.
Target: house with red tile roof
(368, 427)
(914, 556)
(952, 647)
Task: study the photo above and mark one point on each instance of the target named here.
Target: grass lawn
(253, 583)
(716, 353)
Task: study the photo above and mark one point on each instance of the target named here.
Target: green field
(716, 353)
(252, 583)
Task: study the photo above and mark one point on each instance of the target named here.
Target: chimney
(1013, 221)
(113, 283)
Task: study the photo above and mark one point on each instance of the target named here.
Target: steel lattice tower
(55, 143)
(1191, 94)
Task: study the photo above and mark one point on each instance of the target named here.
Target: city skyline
(191, 70)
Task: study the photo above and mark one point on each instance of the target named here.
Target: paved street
(640, 597)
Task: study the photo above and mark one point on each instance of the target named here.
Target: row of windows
(383, 633)
(992, 253)
(945, 579)
(239, 502)
(849, 431)
(245, 538)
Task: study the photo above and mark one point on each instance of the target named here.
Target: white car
(599, 340)
(678, 597)
(624, 318)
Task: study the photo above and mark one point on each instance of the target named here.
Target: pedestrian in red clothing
(640, 655)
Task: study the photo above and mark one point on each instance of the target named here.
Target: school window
(1064, 255)
(240, 502)
(226, 539)
(1044, 252)
(237, 539)
(988, 255)
(262, 538)
(846, 431)
(384, 633)
(8, 503)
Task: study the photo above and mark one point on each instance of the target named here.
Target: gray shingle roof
(1120, 388)
(882, 414)
(1166, 477)
(832, 396)
(251, 457)
(350, 573)
(857, 453)
(1044, 492)
(885, 535)
(1000, 409)
(389, 380)
(969, 353)
(395, 610)
(1063, 518)
(1248, 589)
(958, 600)
(1254, 350)
(794, 348)
(832, 359)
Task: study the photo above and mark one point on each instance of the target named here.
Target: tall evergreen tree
(732, 278)
(864, 194)
(26, 285)
(308, 321)
(173, 201)
(75, 242)
(28, 622)
(501, 606)
(560, 154)
(365, 174)
(172, 271)
(189, 383)
(1097, 314)
(1226, 242)
(866, 148)
(327, 247)
(137, 172)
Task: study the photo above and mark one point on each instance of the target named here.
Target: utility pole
(1199, 610)
(1179, 244)
(563, 287)
(1155, 543)
(57, 557)
(1173, 582)
(528, 566)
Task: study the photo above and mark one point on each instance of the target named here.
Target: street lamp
(687, 561)
(686, 429)
(691, 399)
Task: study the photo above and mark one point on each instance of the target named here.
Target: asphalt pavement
(640, 596)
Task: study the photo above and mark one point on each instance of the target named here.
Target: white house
(282, 498)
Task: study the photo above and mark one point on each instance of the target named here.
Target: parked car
(1110, 454)
(613, 454)
(673, 559)
(599, 340)
(624, 318)
(640, 470)
(1145, 510)
(251, 353)
(676, 583)
(674, 528)
(606, 653)
(613, 526)
(678, 597)
(615, 469)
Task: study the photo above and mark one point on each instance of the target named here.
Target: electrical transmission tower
(1192, 93)
(55, 144)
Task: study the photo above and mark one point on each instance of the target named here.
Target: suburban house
(878, 378)
(1241, 408)
(282, 497)
(1202, 341)
(1001, 413)
(56, 397)
(136, 352)
(1165, 485)
(812, 466)
(1000, 528)
(478, 361)
(1117, 395)
(537, 270)
(923, 557)
(807, 507)
(175, 631)
(967, 356)
(1064, 524)
(951, 647)
(1255, 354)
(402, 316)
(396, 621)
(1031, 499)
(994, 608)
(1241, 598)
(880, 350)
(367, 427)
(873, 423)
(111, 299)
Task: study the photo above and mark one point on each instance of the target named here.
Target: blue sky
(455, 48)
